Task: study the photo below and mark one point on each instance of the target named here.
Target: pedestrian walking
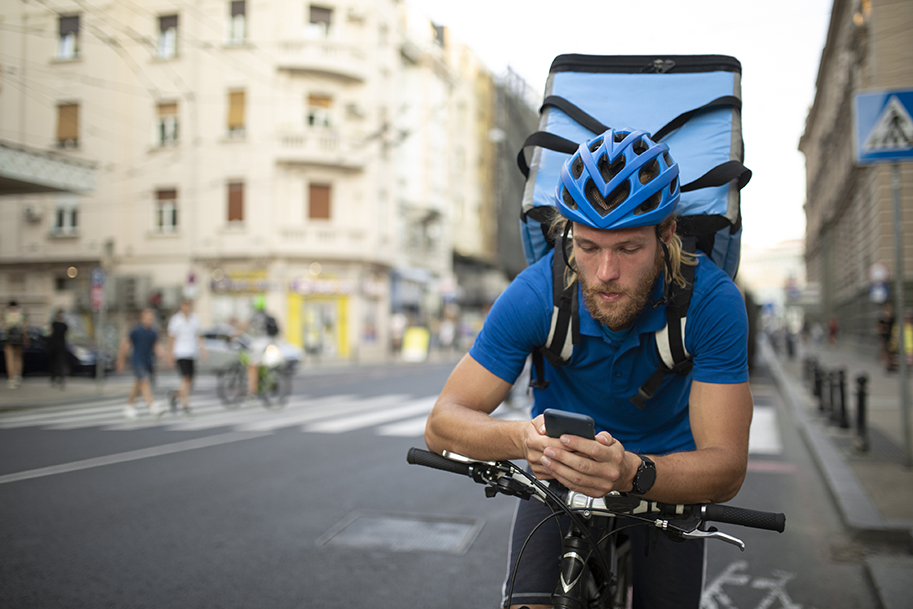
(185, 346)
(884, 327)
(143, 340)
(17, 338)
(57, 349)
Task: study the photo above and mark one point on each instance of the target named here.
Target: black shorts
(667, 574)
(186, 367)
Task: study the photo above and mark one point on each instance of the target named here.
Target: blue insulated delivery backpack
(693, 104)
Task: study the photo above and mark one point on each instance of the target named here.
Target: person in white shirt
(185, 346)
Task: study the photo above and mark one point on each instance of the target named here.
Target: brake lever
(714, 534)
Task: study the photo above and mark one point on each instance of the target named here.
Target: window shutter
(319, 202)
(67, 122)
(236, 202)
(69, 25)
(236, 100)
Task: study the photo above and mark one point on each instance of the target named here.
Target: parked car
(82, 356)
(223, 347)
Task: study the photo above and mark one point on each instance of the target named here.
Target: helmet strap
(563, 245)
(667, 272)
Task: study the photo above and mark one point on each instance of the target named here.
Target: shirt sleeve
(517, 323)
(717, 331)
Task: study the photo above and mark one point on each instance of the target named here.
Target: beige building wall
(338, 136)
(849, 209)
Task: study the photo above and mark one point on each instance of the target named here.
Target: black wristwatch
(645, 476)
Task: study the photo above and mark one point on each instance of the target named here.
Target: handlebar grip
(417, 456)
(728, 514)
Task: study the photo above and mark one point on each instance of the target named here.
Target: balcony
(327, 58)
(319, 147)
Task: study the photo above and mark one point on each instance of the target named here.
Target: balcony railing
(325, 57)
(324, 147)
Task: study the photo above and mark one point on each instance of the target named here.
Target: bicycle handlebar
(727, 514)
(417, 456)
(616, 505)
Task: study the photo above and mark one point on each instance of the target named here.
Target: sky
(778, 44)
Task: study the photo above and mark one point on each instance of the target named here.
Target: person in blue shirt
(688, 444)
(143, 342)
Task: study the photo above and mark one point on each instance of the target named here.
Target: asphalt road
(315, 506)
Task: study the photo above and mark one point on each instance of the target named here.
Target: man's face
(186, 307)
(147, 318)
(617, 269)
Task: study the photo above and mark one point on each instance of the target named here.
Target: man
(142, 339)
(616, 197)
(57, 349)
(17, 338)
(263, 330)
(185, 345)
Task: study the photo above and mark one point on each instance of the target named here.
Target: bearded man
(687, 444)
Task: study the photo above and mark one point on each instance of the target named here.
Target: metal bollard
(862, 433)
(843, 419)
(818, 390)
(832, 397)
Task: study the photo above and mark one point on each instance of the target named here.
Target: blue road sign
(884, 128)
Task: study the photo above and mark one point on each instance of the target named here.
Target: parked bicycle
(274, 379)
(595, 566)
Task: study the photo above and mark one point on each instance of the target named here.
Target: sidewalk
(873, 489)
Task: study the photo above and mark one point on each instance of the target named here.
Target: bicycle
(274, 380)
(595, 564)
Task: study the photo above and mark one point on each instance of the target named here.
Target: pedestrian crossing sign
(884, 127)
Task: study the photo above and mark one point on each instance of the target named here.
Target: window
(66, 215)
(319, 202)
(168, 37)
(236, 100)
(68, 39)
(235, 202)
(237, 22)
(318, 25)
(166, 131)
(166, 210)
(319, 108)
(67, 125)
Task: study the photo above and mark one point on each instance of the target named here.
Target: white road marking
(133, 455)
(764, 436)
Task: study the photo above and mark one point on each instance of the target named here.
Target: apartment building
(849, 208)
(322, 157)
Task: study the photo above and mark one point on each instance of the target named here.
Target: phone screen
(559, 422)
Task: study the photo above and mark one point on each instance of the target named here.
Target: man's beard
(619, 315)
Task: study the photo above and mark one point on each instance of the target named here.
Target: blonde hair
(677, 256)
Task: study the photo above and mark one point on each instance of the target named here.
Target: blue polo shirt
(608, 368)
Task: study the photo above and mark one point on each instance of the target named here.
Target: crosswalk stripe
(352, 423)
(410, 428)
(333, 407)
(764, 435)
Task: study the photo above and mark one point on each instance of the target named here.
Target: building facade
(849, 208)
(317, 157)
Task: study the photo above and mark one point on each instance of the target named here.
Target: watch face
(645, 477)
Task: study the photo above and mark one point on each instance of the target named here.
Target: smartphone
(559, 422)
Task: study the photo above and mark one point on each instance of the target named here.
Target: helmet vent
(620, 136)
(595, 144)
(650, 204)
(639, 147)
(648, 172)
(668, 159)
(610, 171)
(568, 199)
(673, 185)
(618, 196)
(577, 167)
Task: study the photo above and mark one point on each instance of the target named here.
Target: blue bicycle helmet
(620, 179)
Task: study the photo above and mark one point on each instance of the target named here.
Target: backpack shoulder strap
(564, 331)
(670, 339)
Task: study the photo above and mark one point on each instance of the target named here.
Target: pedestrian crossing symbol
(884, 128)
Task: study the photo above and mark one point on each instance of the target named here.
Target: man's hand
(592, 467)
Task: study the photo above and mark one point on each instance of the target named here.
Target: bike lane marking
(132, 455)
